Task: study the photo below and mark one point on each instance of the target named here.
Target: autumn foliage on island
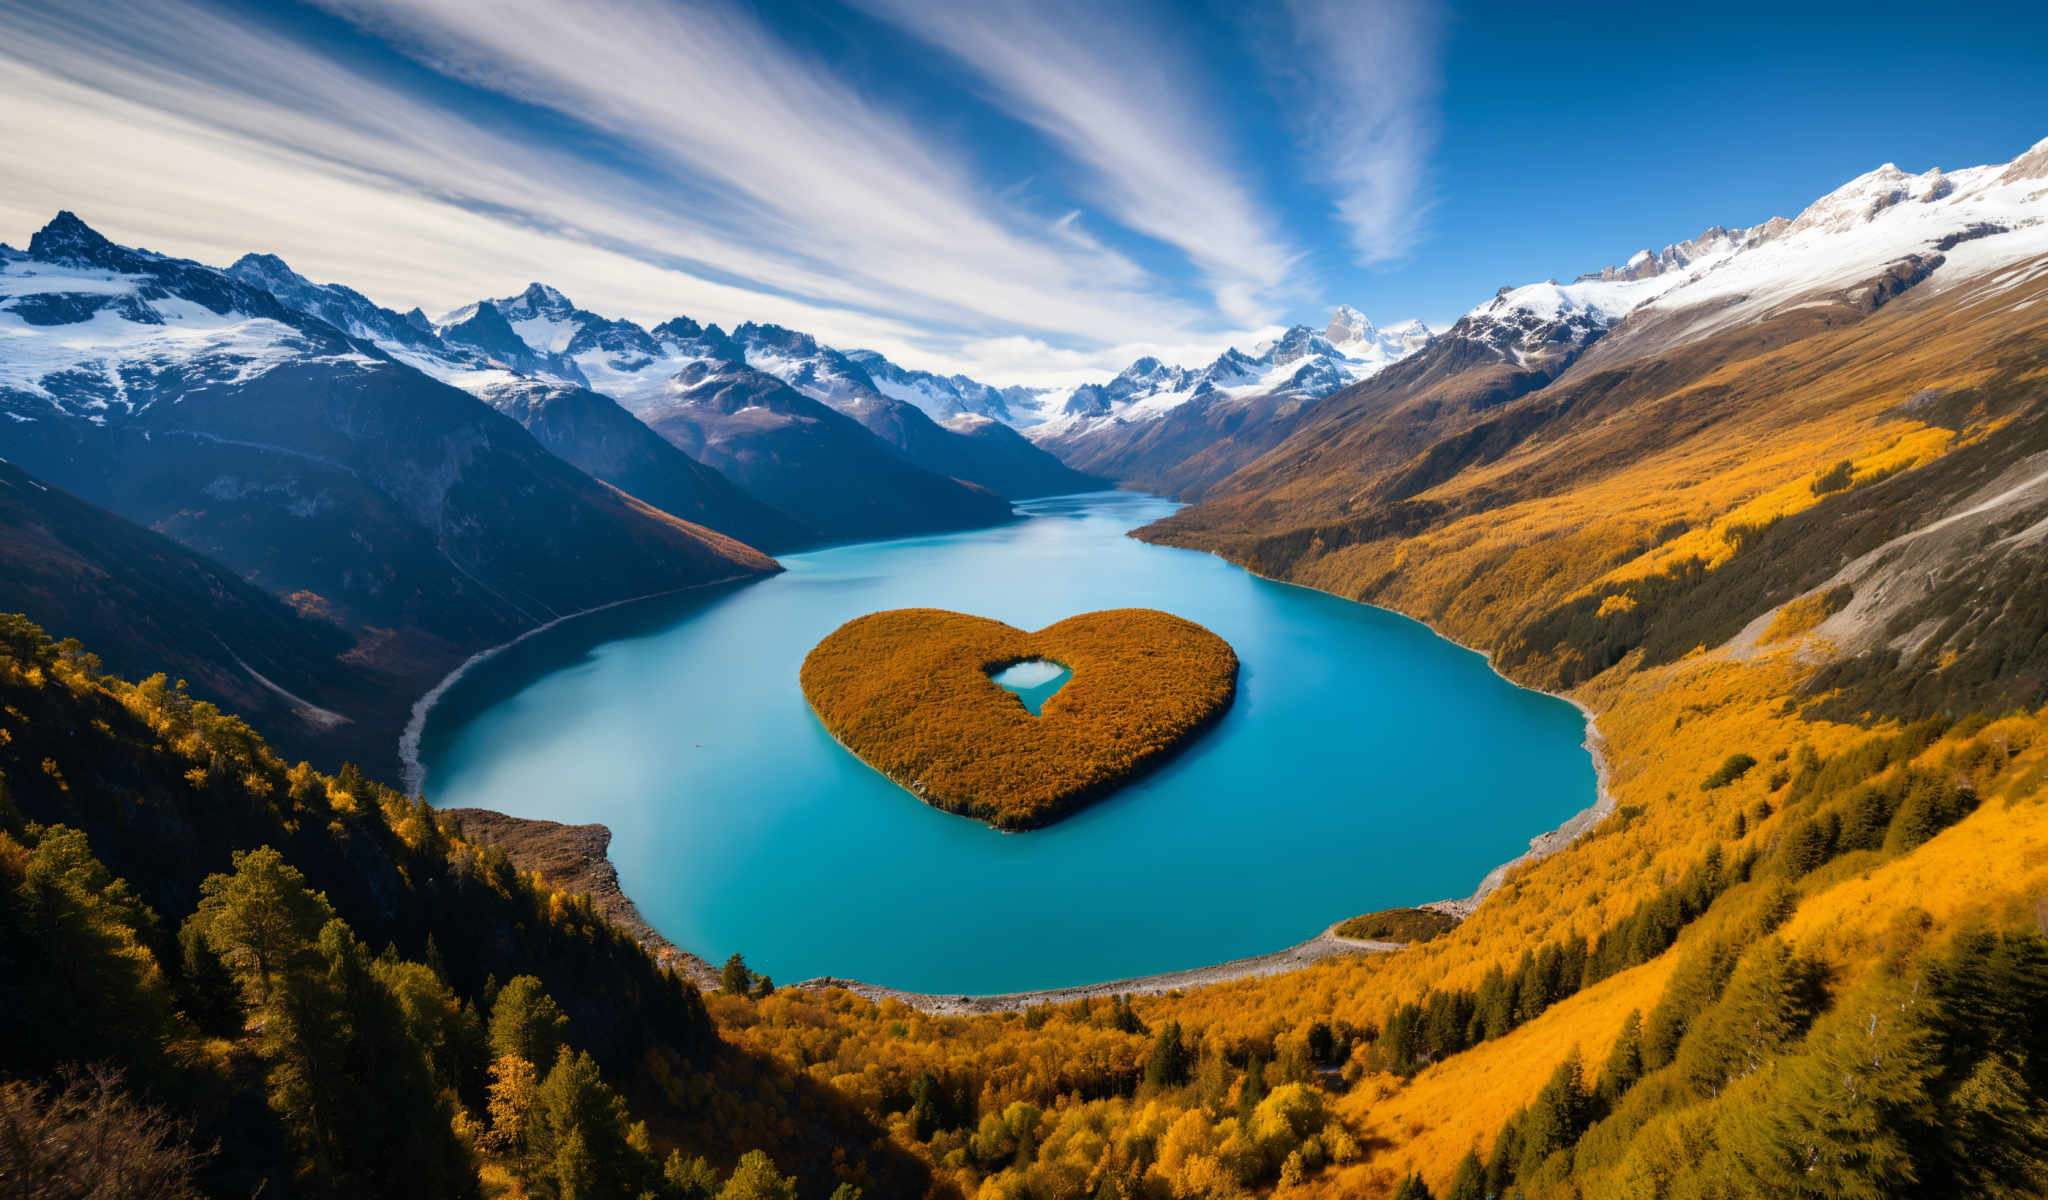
(909, 690)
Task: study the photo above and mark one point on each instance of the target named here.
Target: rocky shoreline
(1322, 946)
(576, 859)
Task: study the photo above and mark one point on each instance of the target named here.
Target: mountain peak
(2031, 165)
(268, 272)
(540, 295)
(66, 238)
(1347, 324)
(769, 333)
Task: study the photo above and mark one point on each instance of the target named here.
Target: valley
(582, 724)
(951, 671)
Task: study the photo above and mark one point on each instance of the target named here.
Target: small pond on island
(1034, 681)
(1366, 763)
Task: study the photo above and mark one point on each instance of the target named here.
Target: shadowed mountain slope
(148, 604)
(313, 464)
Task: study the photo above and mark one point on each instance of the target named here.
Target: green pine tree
(1168, 1064)
(1768, 1002)
(757, 1179)
(1837, 1120)
(1555, 1118)
(526, 1023)
(261, 918)
(352, 1089)
(1470, 1181)
(734, 979)
(581, 1135)
(1624, 1063)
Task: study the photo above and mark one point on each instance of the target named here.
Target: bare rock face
(1894, 280)
(575, 859)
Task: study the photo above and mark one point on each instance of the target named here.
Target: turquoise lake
(1033, 682)
(1366, 763)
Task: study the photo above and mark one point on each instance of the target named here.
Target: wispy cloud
(656, 158)
(831, 217)
(801, 160)
(1362, 78)
(1110, 84)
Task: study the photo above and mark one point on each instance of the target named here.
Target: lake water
(1366, 763)
(1033, 682)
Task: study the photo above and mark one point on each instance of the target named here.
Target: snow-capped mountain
(942, 397)
(1357, 338)
(342, 307)
(1866, 241)
(659, 373)
(190, 400)
(597, 391)
(1301, 364)
(797, 359)
(100, 332)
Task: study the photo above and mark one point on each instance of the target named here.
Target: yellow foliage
(1617, 602)
(1717, 541)
(909, 690)
(1799, 616)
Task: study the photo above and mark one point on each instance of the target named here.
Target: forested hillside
(312, 985)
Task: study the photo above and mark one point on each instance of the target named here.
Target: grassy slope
(1570, 512)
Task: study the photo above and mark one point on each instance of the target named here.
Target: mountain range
(406, 493)
(1769, 504)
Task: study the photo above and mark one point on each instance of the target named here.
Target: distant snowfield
(88, 361)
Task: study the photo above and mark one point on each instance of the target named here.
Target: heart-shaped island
(911, 691)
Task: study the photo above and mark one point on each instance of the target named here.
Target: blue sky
(1035, 191)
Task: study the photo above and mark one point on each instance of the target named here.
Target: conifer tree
(580, 1136)
(687, 1178)
(734, 979)
(1835, 1122)
(525, 1023)
(1251, 1088)
(73, 968)
(261, 917)
(206, 986)
(1624, 1063)
(439, 1022)
(345, 1077)
(1167, 1065)
(1695, 984)
(1555, 1118)
(1768, 1002)
(1470, 1181)
(755, 1178)
(1506, 1154)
